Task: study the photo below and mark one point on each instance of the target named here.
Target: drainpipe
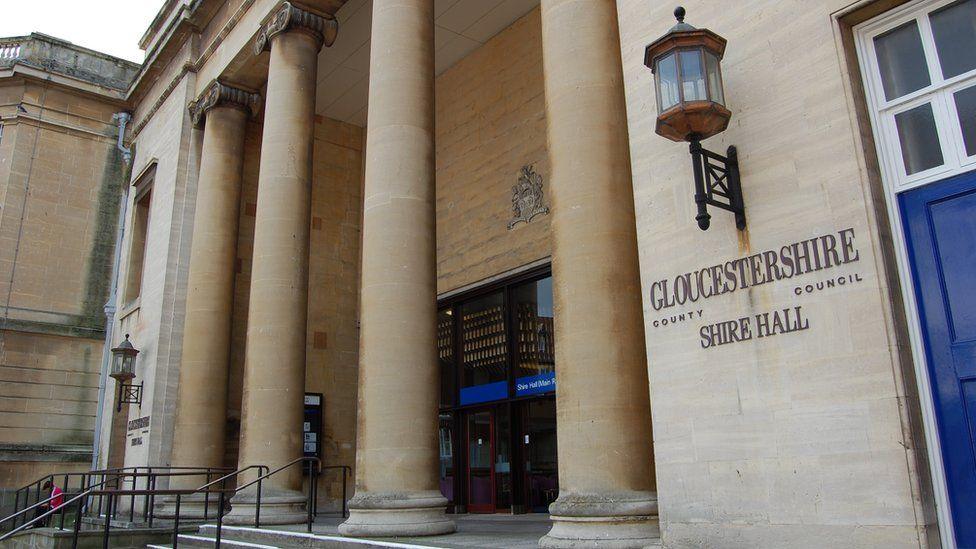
(122, 118)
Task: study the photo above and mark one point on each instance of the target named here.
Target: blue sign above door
(485, 392)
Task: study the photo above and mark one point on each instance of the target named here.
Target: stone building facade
(379, 231)
(61, 173)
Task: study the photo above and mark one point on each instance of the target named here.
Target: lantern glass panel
(120, 363)
(712, 68)
(692, 76)
(667, 82)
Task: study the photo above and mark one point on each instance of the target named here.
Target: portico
(605, 459)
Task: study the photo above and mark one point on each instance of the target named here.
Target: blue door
(940, 226)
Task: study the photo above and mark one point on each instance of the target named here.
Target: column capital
(219, 94)
(288, 17)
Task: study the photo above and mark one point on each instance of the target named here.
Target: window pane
(503, 459)
(966, 107)
(535, 360)
(484, 350)
(901, 60)
(954, 28)
(667, 75)
(445, 354)
(692, 76)
(714, 78)
(446, 439)
(919, 139)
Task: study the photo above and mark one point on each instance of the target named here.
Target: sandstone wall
(803, 436)
(60, 177)
(490, 121)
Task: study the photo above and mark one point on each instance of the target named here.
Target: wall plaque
(139, 423)
(527, 200)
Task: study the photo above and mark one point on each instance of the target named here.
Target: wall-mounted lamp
(123, 370)
(687, 66)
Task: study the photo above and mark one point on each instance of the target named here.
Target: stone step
(200, 541)
(255, 538)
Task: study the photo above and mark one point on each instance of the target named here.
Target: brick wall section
(490, 121)
(332, 349)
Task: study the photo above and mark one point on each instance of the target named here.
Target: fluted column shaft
(274, 368)
(606, 476)
(397, 491)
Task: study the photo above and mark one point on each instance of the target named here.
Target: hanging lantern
(124, 360)
(687, 67)
(123, 370)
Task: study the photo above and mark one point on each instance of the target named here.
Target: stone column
(274, 367)
(397, 491)
(198, 438)
(607, 493)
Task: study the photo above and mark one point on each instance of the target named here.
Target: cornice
(58, 126)
(226, 30)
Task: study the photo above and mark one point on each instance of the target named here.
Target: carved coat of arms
(527, 199)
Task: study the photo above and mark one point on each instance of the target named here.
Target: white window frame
(938, 92)
(895, 181)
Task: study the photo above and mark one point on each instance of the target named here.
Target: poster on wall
(312, 425)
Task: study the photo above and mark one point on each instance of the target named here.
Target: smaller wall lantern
(123, 370)
(686, 62)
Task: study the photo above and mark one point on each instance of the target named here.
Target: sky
(109, 26)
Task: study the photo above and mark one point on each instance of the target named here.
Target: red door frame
(475, 507)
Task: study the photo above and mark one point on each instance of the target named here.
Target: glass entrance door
(481, 470)
(539, 450)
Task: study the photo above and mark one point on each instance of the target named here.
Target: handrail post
(108, 521)
(100, 495)
(16, 507)
(77, 526)
(206, 498)
(152, 500)
(176, 522)
(145, 499)
(308, 504)
(132, 497)
(257, 507)
(220, 518)
(61, 512)
(344, 480)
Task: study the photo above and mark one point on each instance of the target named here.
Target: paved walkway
(482, 531)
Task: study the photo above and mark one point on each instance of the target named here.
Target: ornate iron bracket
(717, 184)
(129, 394)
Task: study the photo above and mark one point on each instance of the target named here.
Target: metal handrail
(312, 488)
(346, 472)
(223, 494)
(24, 511)
(89, 490)
(314, 468)
(118, 474)
(77, 525)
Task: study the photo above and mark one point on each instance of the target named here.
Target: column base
(192, 507)
(277, 507)
(604, 521)
(394, 515)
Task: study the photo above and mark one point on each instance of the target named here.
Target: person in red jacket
(57, 500)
